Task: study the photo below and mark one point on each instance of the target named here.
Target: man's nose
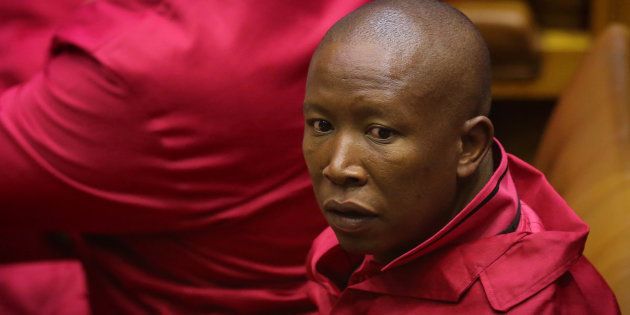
(344, 167)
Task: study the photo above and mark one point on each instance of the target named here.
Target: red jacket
(25, 31)
(516, 247)
(166, 135)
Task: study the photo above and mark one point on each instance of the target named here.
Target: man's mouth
(348, 216)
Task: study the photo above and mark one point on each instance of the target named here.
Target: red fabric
(26, 31)
(26, 27)
(43, 288)
(476, 264)
(166, 135)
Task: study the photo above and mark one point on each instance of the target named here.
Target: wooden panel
(605, 12)
(561, 53)
(585, 153)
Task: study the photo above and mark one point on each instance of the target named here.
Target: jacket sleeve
(73, 153)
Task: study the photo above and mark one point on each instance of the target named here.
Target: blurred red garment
(42, 286)
(166, 135)
(515, 248)
(53, 287)
(26, 28)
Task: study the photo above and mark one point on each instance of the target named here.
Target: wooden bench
(585, 153)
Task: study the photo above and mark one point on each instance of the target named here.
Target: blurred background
(536, 47)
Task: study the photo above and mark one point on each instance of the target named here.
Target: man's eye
(380, 133)
(321, 126)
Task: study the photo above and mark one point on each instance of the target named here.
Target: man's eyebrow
(364, 109)
(368, 109)
(308, 106)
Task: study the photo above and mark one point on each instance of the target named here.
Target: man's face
(381, 157)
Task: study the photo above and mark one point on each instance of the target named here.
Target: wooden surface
(585, 153)
(561, 52)
(605, 12)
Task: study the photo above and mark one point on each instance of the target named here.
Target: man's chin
(355, 245)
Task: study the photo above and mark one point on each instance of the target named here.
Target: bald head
(427, 46)
(395, 123)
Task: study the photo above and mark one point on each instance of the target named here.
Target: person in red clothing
(35, 276)
(428, 214)
(164, 136)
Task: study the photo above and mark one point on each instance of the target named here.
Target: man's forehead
(362, 89)
(398, 73)
(423, 52)
(361, 60)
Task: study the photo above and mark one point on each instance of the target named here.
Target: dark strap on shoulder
(517, 218)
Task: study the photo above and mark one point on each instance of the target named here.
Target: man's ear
(476, 140)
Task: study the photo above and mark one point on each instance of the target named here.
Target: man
(428, 214)
(165, 136)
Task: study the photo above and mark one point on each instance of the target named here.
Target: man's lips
(348, 216)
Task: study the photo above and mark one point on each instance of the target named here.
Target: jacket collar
(471, 246)
(490, 212)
